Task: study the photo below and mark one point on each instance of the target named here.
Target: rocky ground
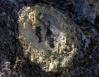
(77, 28)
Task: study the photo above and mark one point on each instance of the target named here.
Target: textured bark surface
(73, 23)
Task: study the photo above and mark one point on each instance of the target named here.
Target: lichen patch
(47, 33)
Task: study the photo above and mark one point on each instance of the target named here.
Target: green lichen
(63, 32)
